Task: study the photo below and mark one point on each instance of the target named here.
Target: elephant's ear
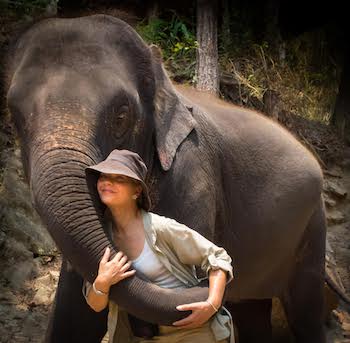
(173, 120)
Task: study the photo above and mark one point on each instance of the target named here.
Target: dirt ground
(339, 239)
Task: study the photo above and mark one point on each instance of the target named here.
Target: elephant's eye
(122, 121)
(121, 116)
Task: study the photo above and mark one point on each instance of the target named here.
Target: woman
(121, 187)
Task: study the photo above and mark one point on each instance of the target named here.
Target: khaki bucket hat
(124, 162)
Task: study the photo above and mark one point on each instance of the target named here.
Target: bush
(25, 7)
(177, 42)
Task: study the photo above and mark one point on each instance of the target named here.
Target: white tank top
(150, 266)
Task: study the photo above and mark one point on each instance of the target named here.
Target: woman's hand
(113, 271)
(201, 312)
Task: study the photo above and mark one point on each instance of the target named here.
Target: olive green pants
(170, 334)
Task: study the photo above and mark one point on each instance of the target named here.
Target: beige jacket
(179, 249)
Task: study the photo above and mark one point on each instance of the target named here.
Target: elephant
(79, 88)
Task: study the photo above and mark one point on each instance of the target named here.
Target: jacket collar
(150, 232)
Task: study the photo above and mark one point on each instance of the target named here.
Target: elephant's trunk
(63, 200)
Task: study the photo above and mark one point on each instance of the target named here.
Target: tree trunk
(152, 10)
(272, 33)
(225, 28)
(341, 115)
(272, 104)
(207, 70)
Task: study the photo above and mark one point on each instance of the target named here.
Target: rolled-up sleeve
(194, 249)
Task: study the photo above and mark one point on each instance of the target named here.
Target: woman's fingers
(105, 256)
(118, 256)
(185, 321)
(187, 307)
(119, 262)
(116, 269)
(125, 267)
(122, 276)
(123, 260)
(201, 312)
(188, 320)
(127, 274)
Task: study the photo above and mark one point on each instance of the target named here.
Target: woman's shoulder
(157, 220)
(158, 217)
(164, 223)
(161, 226)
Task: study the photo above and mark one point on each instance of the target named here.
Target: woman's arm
(217, 284)
(194, 249)
(109, 273)
(98, 300)
(202, 311)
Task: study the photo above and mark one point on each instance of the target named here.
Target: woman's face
(117, 190)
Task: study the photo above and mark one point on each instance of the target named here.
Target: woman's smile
(107, 190)
(117, 189)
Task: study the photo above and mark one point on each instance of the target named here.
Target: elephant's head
(79, 89)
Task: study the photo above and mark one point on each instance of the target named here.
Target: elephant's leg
(252, 319)
(304, 300)
(71, 319)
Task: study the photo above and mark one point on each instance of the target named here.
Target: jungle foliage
(177, 40)
(26, 7)
(302, 70)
